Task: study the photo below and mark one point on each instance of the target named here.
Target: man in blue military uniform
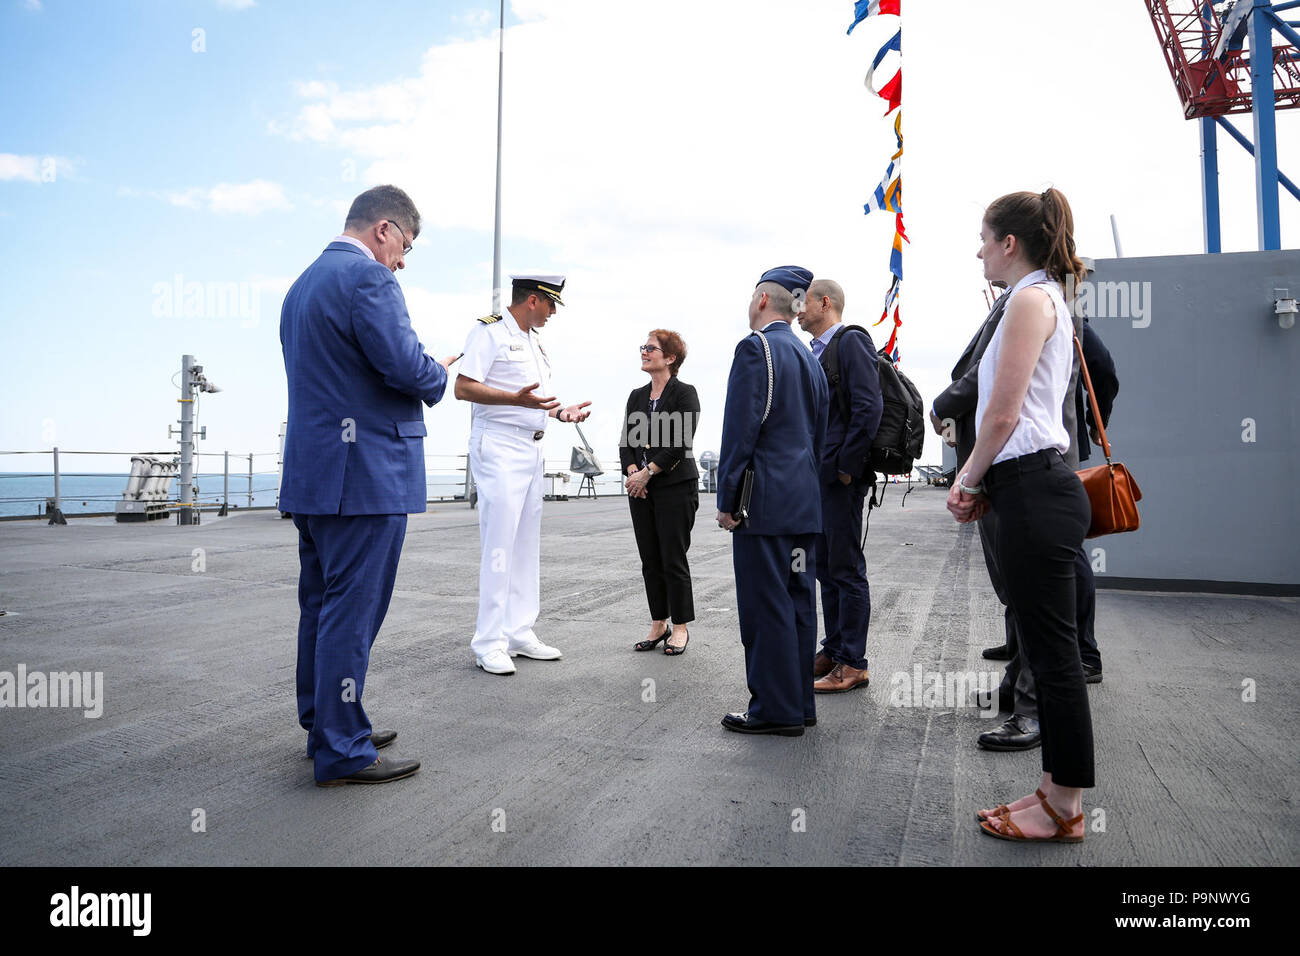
(775, 424)
(848, 356)
(353, 470)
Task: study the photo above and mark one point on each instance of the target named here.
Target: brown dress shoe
(822, 665)
(842, 677)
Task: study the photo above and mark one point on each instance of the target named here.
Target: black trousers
(663, 520)
(1042, 517)
(1019, 679)
(842, 573)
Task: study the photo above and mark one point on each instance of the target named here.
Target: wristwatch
(961, 484)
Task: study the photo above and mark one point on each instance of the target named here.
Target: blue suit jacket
(848, 444)
(357, 374)
(786, 452)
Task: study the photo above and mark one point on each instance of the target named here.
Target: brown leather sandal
(1002, 810)
(1062, 834)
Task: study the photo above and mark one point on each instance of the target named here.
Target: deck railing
(446, 477)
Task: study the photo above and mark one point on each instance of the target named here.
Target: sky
(661, 156)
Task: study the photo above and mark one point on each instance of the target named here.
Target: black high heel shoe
(651, 645)
(672, 651)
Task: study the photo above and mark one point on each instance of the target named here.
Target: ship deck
(571, 756)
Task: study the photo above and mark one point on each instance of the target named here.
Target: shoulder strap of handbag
(1092, 398)
(767, 353)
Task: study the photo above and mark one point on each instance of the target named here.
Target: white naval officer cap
(550, 286)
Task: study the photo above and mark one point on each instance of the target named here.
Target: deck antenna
(471, 493)
(496, 230)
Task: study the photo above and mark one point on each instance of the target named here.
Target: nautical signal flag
(893, 90)
(896, 256)
(869, 8)
(888, 196)
(891, 309)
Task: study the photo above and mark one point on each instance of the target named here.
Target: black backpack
(901, 437)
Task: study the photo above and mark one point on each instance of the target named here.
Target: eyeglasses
(406, 246)
(645, 349)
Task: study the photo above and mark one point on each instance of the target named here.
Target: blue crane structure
(1204, 47)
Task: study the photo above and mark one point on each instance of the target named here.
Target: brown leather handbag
(1112, 491)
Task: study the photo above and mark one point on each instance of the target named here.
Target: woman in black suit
(663, 487)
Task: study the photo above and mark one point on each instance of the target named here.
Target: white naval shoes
(537, 651)
(495, 662)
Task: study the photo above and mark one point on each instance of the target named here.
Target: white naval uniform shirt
(502, 355)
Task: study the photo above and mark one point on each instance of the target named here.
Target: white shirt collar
(513, 325)
(772, 323)
(356, 242)
(1038, 275)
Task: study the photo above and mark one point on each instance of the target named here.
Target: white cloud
(662, 173)
(34, 5)
(244, 199)
(35, 169)
(247, 199)
(476, 19)
(314, 89)
(663, 162)
(236, 4)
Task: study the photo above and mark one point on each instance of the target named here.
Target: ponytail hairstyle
(1044, 226)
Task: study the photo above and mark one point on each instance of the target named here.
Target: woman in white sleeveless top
(1016, 469)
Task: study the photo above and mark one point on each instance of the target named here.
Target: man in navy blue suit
(353, 470)
(775, 423)
(848, 354)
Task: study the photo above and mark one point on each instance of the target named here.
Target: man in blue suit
(848, 356)
(353, 470)
(775, 423)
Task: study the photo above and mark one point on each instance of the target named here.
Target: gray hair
(380, 203)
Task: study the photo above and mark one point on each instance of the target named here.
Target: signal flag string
(888, 196)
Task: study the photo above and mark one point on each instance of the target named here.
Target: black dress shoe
(810, 721)
(1018, 733)
(381, 771)
(743, 724)
(1091, 675)
(1000, 653)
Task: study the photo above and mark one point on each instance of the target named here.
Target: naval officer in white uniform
(506, 374)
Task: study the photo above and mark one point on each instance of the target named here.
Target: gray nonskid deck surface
(573, 760)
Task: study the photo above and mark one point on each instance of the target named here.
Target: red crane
(1205, 50)
(1189, 32)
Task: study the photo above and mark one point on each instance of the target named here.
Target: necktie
(818, 347)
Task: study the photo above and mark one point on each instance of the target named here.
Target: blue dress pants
(347, 567)
(842, 573)
(777, 602)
